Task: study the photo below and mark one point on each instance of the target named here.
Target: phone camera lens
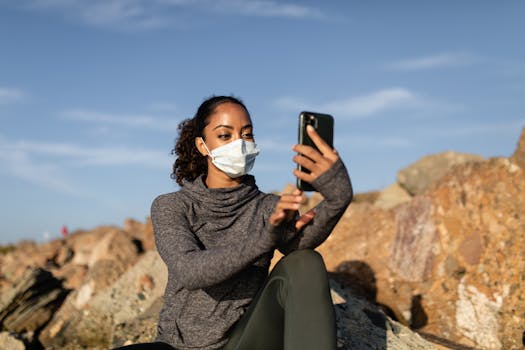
(310, 120)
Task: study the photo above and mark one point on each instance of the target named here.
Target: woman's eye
(248, 136)
(224, 136)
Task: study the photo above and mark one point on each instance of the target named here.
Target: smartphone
(324, 125)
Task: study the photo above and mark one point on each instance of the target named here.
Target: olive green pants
(292, 311)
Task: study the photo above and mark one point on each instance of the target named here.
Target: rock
(417, 177)
(142, 329)
(477, 316)
(31, 304)
(10, 342)
(366, 197)
(450, 262)
(105, 272)
(64, 255)
(108, 260)
(474, 295)
(363, 325)
(91, 325)
(51, 256)
(73, 275)
(359, 249)
(18, 261)
(116, 246)
(148, 237)
(519, 155)
(392, 196)
(415, 242)
(142, 233)
(144, 282)
(84, 242)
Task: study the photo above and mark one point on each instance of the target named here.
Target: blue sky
(91, 92)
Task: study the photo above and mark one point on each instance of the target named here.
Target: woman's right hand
(286, 209)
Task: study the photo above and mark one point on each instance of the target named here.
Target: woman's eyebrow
(231, 127)
(223, 126)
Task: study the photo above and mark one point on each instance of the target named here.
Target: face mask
(235, 159)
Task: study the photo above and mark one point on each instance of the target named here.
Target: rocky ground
(436, 260)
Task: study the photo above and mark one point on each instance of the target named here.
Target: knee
(305, 261)
(305, 254)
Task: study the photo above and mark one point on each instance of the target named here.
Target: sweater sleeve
(336, 188)
(194, 266)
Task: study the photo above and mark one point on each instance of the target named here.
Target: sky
(92, 91)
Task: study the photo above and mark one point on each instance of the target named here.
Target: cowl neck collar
(222, 200)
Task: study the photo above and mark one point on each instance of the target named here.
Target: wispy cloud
(360, 106)
(447, 59)
(122, 14)
(46, 164)
(10, 95)
(19, 164)
(83, 156)
(262, 8)
(147, 14)
(122, 120)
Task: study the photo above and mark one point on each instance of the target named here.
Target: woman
(218, 233)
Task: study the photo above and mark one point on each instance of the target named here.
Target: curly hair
(190, 164)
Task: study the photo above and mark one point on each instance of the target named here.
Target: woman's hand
(286, 209)
(318, 162)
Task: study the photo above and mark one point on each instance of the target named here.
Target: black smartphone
(324, 125)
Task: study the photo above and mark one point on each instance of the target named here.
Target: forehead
(230, 114)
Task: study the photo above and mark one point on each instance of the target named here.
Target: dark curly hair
(190, 163)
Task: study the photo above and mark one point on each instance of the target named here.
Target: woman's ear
(199, 143)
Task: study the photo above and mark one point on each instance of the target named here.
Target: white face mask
(235, 159)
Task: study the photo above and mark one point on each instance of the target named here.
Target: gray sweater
(217, 244)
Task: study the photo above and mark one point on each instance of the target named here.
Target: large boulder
(417, 177)
(450, 262)
(360, 247)
(115, 245)
(89, 315)
(361, 324)
(392, 196)
(475, 294)
(28, 307)
(83, 243)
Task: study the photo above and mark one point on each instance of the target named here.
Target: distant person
(64, 231)
(218, 233)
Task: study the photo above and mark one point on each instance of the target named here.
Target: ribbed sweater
(217, 244)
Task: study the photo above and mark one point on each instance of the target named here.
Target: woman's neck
(217, 179)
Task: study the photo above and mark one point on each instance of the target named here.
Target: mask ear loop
(207, 150)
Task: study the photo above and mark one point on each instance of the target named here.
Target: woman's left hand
(288, 207)
(318, 162)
